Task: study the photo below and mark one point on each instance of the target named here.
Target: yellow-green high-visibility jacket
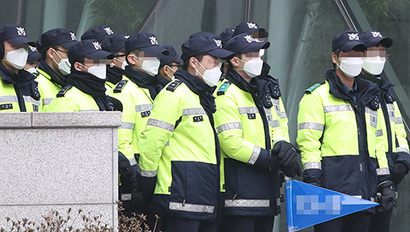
(48, 89)
(341, 141)
(137, 104)
(179, 147)
(27, 97)
(71, 99)
(247, 130)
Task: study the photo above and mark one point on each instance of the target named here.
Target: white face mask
(261, 52)
(210, 76)
(32, 70)
(351, 66)
(98, 70)
(150, 66)
(253, 67)
(374, 65)
(123, 63)
(64, 65)
(17, 58)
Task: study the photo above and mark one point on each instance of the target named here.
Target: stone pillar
(57, 161)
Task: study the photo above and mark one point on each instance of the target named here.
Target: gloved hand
(124, 166)
(399, 171)
(287, 158)
(385, 196)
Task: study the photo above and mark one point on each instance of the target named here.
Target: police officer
(136, 91)
(183, 158)
(116, 45)
(253, 143)
(33, 60)
(18, 90)
(225, 36)
(85, 85)
(169, 65)
(252, 28)
(340, 134)
(393, 131)
(54, 65)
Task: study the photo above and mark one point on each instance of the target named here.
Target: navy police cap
(15, 34)
(99, 33)
(202, 43)
(347, 41)
(87, 48)
(245, 43)
(115, 43)
(226, 35)
(172, 57)
(250, 27)
(373, 38)
(33, 55)
(58, 36)
(146, 42)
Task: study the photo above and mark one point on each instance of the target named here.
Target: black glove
(386, 196)
(399, 171)
(287, 158)
(124, 166)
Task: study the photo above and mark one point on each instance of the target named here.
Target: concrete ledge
(76, 119)
(15, 120)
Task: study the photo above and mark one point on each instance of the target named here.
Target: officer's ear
(131, 59)
(334, 58)
(234, 61)
(78, 66)
(193, 62)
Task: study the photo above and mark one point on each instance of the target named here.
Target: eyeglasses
(60, 50)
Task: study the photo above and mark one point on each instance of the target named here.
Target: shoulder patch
(120, 85)
(313, 87)
(222, 89)
(174, 85)
(64, 90)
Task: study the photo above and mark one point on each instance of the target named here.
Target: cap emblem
(250, 39)
(72, 34)
(218, 43)
(353, 36)
(97, 45)
(20, 31)
(376, 34)
(154, 40)
(252, 25)
(108, 30)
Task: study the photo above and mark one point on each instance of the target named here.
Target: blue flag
(308, 205)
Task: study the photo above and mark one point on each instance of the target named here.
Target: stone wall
(57, 161)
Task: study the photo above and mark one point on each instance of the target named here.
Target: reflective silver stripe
(29, 99)
(144, 173)
(379, 133)
(160, 124)
(142, 108)
(275, 123)
(246, 203)
(382, 171)
(283, 115)
(255, 155)
(311, 125)
(248, 110)
(193, 111)
(191, 207)
(5, 99)
(370, 111)
(47, 101)
(390, 106)
(398, 120)
(275, 101)
(228, 126)
(312, 165)
(133, 161)
(402, 149)
(127, 125)
(337, 108)
(126, 197)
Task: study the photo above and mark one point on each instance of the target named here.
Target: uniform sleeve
(283, 121)
(127, 126)
(311, 124)
(230, 134)
(166, 111)
(381, 148)
(63, 104)
(401, 137)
